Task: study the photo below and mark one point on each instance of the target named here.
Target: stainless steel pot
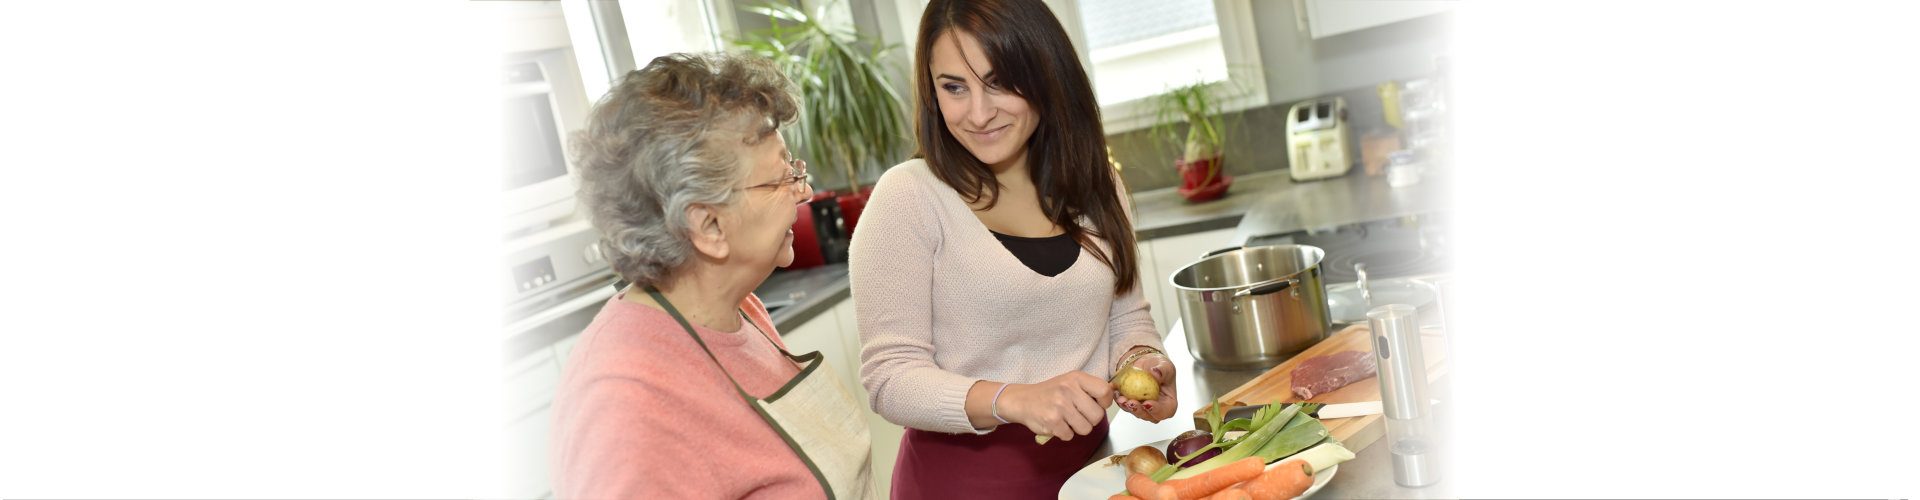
(1253, 306)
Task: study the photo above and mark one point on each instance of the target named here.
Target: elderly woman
(681, 388)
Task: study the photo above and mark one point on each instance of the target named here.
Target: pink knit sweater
(942, 304)
(643, 413)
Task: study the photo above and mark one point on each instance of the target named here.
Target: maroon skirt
(1003, 464)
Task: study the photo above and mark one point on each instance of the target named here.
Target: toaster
(1317, 139)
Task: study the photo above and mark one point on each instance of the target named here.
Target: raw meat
(1322, 374)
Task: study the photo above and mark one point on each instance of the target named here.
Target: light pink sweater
(943, 304)
(643, 413)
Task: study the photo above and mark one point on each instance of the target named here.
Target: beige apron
(814, 413)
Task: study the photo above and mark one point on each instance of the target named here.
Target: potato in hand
(1137, 384)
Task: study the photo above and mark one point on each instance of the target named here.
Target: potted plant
(850, 116)
(1202, 171)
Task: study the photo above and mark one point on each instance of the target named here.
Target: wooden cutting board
(1355, 432)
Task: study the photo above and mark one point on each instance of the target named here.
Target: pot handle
(1266, 287)
(1220, 251)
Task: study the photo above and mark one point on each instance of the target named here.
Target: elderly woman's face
(764, 215)
(989, 120)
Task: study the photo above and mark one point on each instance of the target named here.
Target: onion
(1186, 443)
(1144, 460)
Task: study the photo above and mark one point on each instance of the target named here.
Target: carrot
(1231, 493)
(1139, 485)
(1210, 482)
(1283, 482)
(1123, 497)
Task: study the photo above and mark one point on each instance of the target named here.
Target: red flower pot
(1202, 180)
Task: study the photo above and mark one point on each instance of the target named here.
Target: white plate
(1103, 478)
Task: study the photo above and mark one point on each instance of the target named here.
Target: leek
(1261, 418)
(1304, 431)
(1325, 455)
(1269, 423)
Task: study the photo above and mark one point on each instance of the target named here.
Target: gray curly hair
(662, 140)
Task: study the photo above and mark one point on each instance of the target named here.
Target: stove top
(1412, 245)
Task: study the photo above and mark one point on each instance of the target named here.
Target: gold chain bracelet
(1136, 357)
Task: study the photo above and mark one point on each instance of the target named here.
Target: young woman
(994, 274)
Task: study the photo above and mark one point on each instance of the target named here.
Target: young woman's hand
(1160, 408)
(1065, 406)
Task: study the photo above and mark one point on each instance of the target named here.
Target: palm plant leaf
(851, 116)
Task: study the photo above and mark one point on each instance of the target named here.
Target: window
(612, 38)
(1134, 49)
(1141, 47)
(659, 27)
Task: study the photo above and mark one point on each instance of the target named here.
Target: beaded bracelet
(995, 406)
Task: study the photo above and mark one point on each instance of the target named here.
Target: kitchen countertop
(1347, 199)
(793, 297)
(1163, 212)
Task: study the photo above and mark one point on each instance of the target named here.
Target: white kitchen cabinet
(1332, 17)
(850, 345)
(823, 333)
(530, 382)
(884, 435)
(1174, 252)
(527, 440)
(530, 385)
(564, 348)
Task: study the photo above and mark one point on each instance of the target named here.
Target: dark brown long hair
(1033, 58)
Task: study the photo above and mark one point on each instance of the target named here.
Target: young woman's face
(990, 121)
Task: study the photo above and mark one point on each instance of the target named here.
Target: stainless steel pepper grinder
(1403, 394)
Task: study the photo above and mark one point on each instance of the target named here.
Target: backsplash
(1256, 141)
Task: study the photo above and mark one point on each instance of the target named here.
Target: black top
(1048, 256)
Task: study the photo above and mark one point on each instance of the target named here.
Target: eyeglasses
(795, 180)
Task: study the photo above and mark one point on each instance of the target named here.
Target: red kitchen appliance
(820, 233)
(806, 242)
(830, 227)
